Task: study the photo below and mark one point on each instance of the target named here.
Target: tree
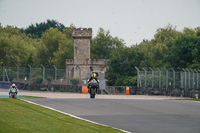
(55, 48)
(121, 66)
(37, 30)
(185, 52)
(104, 44)
(68, 31)
(159, 47)
(64, 52)
(16, 47)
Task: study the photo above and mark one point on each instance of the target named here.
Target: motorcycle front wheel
(92, 93)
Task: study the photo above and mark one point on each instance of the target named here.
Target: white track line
(195, 101)
(74, 116)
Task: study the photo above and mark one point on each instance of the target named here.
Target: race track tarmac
(137, 116)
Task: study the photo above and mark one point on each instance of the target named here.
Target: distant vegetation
(50, 43)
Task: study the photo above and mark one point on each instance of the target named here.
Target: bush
(130, 81)
(74, 80)
(49, 79)
(11, 74)
(38, 79)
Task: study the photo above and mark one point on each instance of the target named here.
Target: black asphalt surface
(137, 116)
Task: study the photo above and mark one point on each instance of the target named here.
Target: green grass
(21, 117)
(22, 97)
(191, 99)
(29, 97)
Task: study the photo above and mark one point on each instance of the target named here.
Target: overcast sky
(130, 20)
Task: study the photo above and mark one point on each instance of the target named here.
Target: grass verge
(22, 97)
(19, 116)
(28, 97)
(191, 99)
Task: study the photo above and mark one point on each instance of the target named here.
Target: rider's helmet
(13, 86)
(94, 75)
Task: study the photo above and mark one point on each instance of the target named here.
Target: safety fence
(43, 75)
(168, 78)
(33, 75)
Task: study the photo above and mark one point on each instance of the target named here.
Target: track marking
(74, 116)
(196, 101)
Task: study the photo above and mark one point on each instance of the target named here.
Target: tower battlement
(98, 62)
(82, 33)
(69, 61)
(89, 62)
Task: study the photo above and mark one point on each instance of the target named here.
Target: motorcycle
(93, 86)
(13, 93)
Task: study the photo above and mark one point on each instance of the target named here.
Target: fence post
(29, 76)
(166, 78)
(152, 76)
(192, 78)
(189, 78)
(145, 77)
(185, 77)
(3, 66)
(17, 71)
(29, 72)
(138, 77)
(197, 78)
(173, 78)
(79, 74)
(43, 72)
(55, 72)
(159, 77)
(67, 75)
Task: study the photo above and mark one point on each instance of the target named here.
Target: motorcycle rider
(93, 76)
(14, 87)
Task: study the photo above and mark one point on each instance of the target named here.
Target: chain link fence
(168, 78)
(50, 79)
(33, 75)
(53, 79)
(42, 75)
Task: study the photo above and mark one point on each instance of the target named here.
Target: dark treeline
(50, 43)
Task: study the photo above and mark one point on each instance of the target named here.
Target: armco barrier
(5, 85)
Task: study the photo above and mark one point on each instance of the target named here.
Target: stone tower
(80, 66)
(82, 39)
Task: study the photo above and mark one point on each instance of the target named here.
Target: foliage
(74, 80)
(11, 74)
(130, 81)
(55, 48)
(158, 48)
(16, 47)
(104, 44)
(185, 51)
(38, 79)
(37, 30)
(1, 73)
(172, 48)
(49, 78)
(121, 65)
